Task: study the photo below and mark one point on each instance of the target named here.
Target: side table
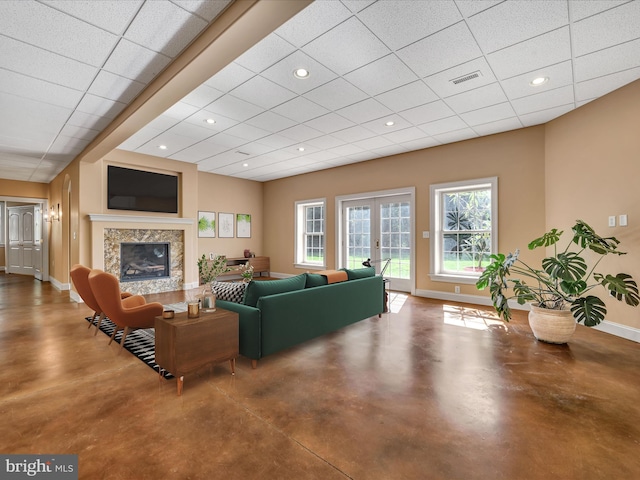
(184, 344)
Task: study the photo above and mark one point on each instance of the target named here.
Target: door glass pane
(358, 235)
(395, 235)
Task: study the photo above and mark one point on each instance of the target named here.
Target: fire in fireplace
(144, 261)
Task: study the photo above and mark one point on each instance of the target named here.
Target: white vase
(551, 326)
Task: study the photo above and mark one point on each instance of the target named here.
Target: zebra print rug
(142, 343)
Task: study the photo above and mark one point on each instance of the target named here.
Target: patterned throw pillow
(229, 291)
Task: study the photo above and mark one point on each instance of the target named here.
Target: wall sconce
(53, 215)
(59, 216)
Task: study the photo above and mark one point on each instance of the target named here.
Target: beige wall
(592, 168)
(516, 158)
(217, 193)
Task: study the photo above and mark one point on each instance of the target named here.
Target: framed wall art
(206, 224)
(225, 225)
(243, 225)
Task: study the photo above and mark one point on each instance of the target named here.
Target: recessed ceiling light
(390, 123)
(210, 121)
(301, 149)
(245, 164)
(301, 73)
(538, 81)
(162, 147)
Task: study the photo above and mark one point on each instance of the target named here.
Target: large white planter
(551, 326)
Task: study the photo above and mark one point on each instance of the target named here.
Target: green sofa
(306, 311)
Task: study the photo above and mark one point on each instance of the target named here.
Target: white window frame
(435, 194)
(300, 246)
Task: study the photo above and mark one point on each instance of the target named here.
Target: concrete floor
(431, 390)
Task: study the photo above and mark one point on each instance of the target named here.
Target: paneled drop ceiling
(441, 71)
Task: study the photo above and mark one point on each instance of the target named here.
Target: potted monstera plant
(560, 291)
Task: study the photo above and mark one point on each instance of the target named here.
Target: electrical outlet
(456, 289)
(212, 256)
(622, 220)
(612, 220)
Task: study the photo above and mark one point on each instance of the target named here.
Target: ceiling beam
(243, 24)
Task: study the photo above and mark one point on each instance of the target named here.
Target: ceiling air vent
(466, 77)
(241, 153)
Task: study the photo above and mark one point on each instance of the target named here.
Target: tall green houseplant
(565, 279)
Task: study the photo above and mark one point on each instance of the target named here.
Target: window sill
(466, 279)
(310, 266)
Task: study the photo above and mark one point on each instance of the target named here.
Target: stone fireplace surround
(109, 231)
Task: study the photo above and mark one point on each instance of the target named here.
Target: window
(464, 226)
(310, 229)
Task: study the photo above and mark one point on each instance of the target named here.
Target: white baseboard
(281, 275)
(73, 295)
(1, 269)
(606, 326)
(189, 286)
(59, 285)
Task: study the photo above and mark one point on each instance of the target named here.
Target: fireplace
(144, 261)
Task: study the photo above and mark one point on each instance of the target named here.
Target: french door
(380, 229)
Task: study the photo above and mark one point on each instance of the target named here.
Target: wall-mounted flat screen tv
(130, 189)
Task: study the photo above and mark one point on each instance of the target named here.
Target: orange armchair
(80, 278)
(128, 314)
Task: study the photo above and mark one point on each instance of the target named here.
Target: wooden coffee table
(183, 345)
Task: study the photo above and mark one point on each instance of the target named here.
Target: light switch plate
(622, 220)
(612, 220)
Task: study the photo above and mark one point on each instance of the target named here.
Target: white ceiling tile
(173, 143)
(374, 142)
(247, 132)
(55, 31)
(200, 119)
(442, 126)
(348, 149)
(548, 49)
(382, 75)
(283, 154)
(607, 61)
(262, 92)
(79, 132)
(405, 135)
(380, 126)
(277, 141)
(544, 116)
(234, 108)
(139, 138)
(457, 136)
(300, 109)
(109, 15)
(135, 62)
(389, 150)
(516, 21)
(180, 111)
(545, 100)
(39, 90)
(365, 111)
(270, 121)
(498, 126)
(265, 53)
(478, 98)
(489, 114)
(356, 5)
(225, 140)
(559, 75)
(441, 51)
(282, 73)
(469, 9)
(196, 133)
(442, 83)
(403, 22)
(609, 28)
(336, 94)
(407, 96)
(23, 114)
(426, 142)
(38, 63)
(87, 120)
(321, 156)
(207, 9)
(301, 133)
(353, 134)
(179, 27)
(229, 77)
(202, 96)
(348, 46)
(199, 151)
(313, 21)
(330, 123)
(64, 145)
(114, 87)
(603, 85)
(427, 113)
(100, 106)
(325, 142)
(580, 9)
